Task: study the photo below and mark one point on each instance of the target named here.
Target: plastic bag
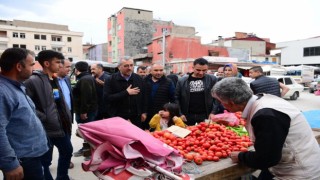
(317, 93)
(227, 118)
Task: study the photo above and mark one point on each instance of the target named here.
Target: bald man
(159, 90)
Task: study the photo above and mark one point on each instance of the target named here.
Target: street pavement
(305, 102)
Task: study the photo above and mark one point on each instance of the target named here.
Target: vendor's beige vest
(301, 152)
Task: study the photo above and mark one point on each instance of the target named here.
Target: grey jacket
(182, 93)
(40, 91)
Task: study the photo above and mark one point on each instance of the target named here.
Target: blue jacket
(21, 131)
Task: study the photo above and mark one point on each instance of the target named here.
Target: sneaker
(78, 153)
(87, 158)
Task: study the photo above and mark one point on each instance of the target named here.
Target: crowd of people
(38, 109)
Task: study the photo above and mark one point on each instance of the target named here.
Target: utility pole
(164, 32)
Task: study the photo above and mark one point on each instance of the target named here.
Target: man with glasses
(193, 93)
(124, 93)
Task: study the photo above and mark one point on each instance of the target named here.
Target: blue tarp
(313, 117)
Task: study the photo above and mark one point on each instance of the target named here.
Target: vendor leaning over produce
(284, 142)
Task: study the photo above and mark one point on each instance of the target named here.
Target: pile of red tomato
(206, 142)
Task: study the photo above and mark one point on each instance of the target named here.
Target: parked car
(313, 86)
(295, 89)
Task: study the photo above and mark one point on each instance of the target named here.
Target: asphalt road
(305, 102)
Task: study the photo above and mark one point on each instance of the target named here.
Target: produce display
(208, 141)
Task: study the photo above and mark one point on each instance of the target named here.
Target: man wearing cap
(85, 98)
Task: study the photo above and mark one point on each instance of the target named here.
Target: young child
(167, 117)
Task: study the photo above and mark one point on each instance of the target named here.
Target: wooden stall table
(225, 168)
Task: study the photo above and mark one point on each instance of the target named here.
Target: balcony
(4, 39)
(57, 43)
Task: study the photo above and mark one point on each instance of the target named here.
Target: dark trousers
(91, 117)
(65, 150)
(192, 119)
(32, 168)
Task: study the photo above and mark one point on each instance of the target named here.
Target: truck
(302, 74)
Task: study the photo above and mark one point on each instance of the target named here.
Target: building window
(119, 40)
(23, 46)
(69, 49)
(69, 39)
(119, 27)
(43, 37)
(43, 48)
(164, 29)
(37, 48)
(58, 49)
(311, 51)
(15, 45)
(56, 38)
(110, 43)
(15, 34)
(36, 36)
(22, 35)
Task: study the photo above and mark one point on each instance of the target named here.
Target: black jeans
(65, 149)
(192, 119)
(32, 168)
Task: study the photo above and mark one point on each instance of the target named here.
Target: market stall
(223, 168)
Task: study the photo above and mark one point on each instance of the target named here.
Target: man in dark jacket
(84, 93)
(193, 93)
(85, 99)
(100, 77)
(263, 84)
(45, 91)
(159, 91)
(124, 92)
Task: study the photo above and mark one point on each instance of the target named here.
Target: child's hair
(173, 110)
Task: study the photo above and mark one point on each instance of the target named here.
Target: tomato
(188, 156)
(166, 135)
(215, 158)
(206, 145)
(243, 149)
(218, 154)
(209, 157)
(198, 160)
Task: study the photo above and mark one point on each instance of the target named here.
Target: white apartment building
(305, 51)
(37, 36)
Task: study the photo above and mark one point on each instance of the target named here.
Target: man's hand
(211, 116)
(15, 174)
(143, 117)
(183, 117)
(100, 82)
(234, 156)
(133, 91)
(83, 116)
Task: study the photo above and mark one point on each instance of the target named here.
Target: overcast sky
(279, 20)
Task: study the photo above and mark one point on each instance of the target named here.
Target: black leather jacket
(182, 94)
